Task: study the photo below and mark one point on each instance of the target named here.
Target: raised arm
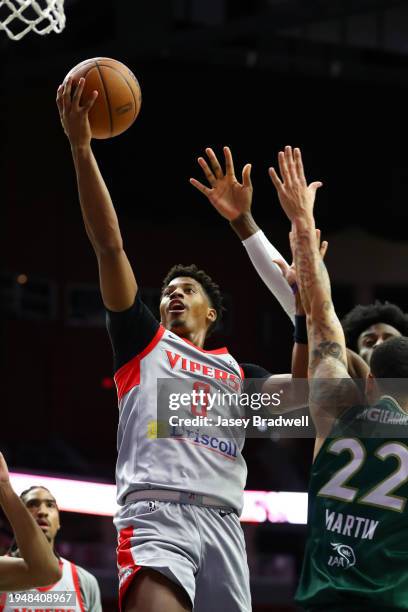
(327, 347)
(39, 566)
(117, 281)
(300, 348)
(233, 201)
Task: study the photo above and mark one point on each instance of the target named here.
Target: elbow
(56, 573)
(111, 248)
(49, 575)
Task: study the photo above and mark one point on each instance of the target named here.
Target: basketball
(119, 95)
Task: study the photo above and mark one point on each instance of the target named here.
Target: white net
(18, 17)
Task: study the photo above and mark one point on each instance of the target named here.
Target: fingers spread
(76, 97)
(205, 190)
(89, 104)
(299, 166)
(315, 186)
(283, 167)
(215, 164)
(207, 171)
(229, 162)
(246, 176)
(290, 163)
(275, 179)
(66, 95)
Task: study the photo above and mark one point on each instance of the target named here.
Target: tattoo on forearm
(324, 329)
(328, 349)
(324, 349)
(309, 264)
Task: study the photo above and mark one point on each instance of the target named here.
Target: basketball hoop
(18, 17)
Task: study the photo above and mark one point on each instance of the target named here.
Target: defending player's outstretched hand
(229, 197)
(295, 195)
(73, 115)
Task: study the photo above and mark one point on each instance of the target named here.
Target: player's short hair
(361, 318)
(211, 288)
(24, 493)
(390, 361)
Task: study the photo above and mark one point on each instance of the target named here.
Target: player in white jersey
(181, 545)
(37, 565)
(83, 587)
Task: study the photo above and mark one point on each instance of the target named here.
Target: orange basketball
(119, 100)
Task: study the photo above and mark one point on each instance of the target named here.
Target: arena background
(328, 76)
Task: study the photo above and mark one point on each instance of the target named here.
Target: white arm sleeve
(262, 253)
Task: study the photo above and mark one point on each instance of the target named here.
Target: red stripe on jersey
(242, 373)
(126, 565)
(125, 558)
(128, 376)
(220, 351)
(75, 578)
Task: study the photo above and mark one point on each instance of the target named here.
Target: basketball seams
(91, 63)
(127, 83)
(105, 89)
(111, 77)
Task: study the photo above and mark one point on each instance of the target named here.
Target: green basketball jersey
(356, 555)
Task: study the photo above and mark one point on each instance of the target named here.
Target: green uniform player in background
(357, 548)
(356, 556)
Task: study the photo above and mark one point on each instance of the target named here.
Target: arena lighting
(72, 495)
(99, 499)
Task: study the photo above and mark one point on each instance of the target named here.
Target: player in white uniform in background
(70, 577)
(180, 540)
(38, 565)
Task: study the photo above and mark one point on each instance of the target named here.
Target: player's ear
(371, 388)
(211, 315)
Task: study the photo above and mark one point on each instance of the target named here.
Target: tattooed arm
(326, 337)
(331, 388)
(327, 346)
(330, 391)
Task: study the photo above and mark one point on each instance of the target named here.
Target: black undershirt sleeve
(255, 377)
(130, 331)
(254, 371)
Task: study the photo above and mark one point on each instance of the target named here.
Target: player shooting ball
(180, 542)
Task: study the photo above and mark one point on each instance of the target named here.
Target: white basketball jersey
(69, 581)
(195, 462)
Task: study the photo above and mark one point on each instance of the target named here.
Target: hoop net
(18, 17)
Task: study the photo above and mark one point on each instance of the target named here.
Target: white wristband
(262, 253)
